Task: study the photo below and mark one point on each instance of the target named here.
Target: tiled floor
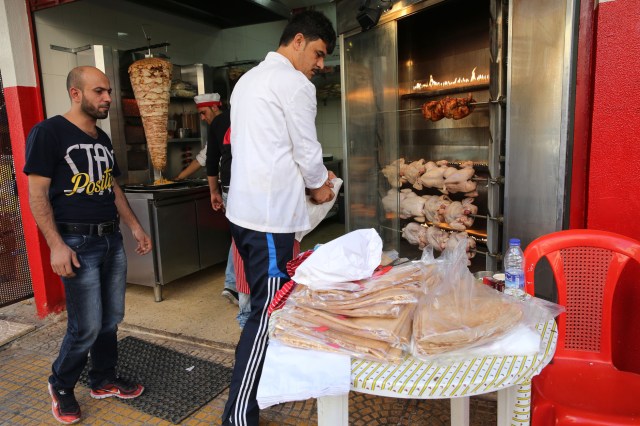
(10, 330)
(25, 364)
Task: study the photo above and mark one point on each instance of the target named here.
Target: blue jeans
(244, 302)
(95, 306)
(229, 273)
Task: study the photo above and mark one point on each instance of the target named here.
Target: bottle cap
(514, 242)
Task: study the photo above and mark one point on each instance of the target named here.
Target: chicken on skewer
(457, 214)
(457, 108)
(411, 173)
(411, 205)
(415, 234)
(435, 207)
(460, 180)
(439, 239)
(433, 110)
(454, 108)
(394, 171)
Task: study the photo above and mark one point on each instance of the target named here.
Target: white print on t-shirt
(98, 177)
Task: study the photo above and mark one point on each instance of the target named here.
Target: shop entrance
(15, 278)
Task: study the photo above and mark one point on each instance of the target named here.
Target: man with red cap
(216, 156)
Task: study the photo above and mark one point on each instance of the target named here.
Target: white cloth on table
(293, 374)
(521, 340)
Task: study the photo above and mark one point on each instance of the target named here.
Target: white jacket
(275, 149)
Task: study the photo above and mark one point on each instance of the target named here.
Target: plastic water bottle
(514, 270)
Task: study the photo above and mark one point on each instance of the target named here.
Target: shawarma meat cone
(151, 81)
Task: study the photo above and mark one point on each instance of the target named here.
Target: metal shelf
(448, 91)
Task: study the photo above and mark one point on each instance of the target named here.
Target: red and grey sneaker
(119, 388)
(64, 406)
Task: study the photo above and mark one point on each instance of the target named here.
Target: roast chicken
(454, 108)
(433, 110)
(457, 108)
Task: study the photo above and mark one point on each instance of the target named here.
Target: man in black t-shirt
(77, 205)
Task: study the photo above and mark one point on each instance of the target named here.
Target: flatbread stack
(372, 323)
(377, 296)
(377, 339)
(151, 81)
(450, 321)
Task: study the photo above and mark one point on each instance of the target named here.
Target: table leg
(460, 411)
(514, 405)
(333, 410)
(157, 292)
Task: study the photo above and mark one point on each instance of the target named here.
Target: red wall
(614, 169)
(613, 202)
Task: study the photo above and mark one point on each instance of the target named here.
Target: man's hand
(63, 259)
(322, 195)
(144, 242)
(216, 201)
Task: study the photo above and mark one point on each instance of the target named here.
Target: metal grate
(15, 278)
(585, 269)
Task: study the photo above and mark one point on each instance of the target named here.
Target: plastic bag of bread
(390, 285)
(377, 339)
(459, 312)
(151, 80)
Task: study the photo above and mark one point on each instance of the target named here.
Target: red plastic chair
(581, 386)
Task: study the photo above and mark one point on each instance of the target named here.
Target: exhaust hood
(223, 14)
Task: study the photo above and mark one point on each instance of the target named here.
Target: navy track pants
(265, 257)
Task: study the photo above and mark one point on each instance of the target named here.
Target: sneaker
(231, 295)
(119, 388)
(64, 406)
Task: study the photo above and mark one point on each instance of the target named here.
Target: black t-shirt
(219, 153)
(81, 168)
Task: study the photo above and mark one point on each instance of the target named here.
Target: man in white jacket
(276, 157)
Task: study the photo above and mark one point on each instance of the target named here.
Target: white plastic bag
(317, 212)
(351, 257)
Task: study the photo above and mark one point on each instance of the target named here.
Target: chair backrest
(586, 266)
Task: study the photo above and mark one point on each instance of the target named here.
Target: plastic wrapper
(374, 322)
(295, 331)
(333, 265)
(459, 312)
(406, 280)
(462, 318)
(374, 328)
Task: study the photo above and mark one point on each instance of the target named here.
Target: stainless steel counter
(187, 234)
